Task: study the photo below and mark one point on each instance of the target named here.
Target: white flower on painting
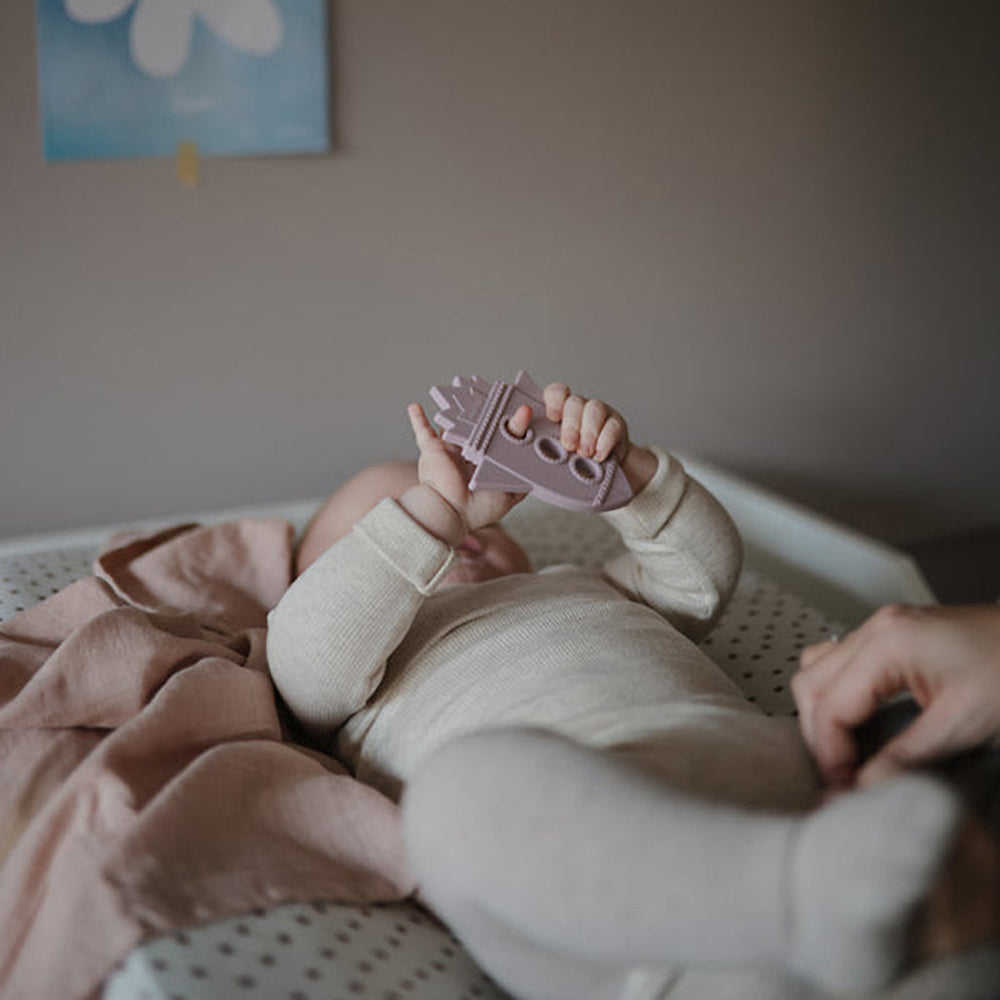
(160, 32)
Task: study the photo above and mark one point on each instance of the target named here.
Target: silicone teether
(474, 415)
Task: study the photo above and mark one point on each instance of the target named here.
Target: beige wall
(767, 230)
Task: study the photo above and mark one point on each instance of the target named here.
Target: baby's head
(485, 554)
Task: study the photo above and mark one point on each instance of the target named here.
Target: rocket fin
(527, 384)
(442, 421)
(490, 476)
(445, 397)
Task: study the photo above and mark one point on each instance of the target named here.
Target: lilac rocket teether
(474, 415)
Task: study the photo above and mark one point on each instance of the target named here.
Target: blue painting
(122, 78)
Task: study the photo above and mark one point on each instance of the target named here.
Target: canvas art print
(125, 78)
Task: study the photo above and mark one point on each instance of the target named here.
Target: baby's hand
(589, 426)
(442, 469)
(596, 430)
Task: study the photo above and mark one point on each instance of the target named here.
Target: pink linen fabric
(148, 780)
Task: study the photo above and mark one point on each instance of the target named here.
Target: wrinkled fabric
(147, 778)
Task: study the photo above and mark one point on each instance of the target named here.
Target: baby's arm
(331, 633)
(333, 630)
(683, 553)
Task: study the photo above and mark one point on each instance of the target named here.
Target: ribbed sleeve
(683, 552)
(331, 633)
(646, 514)
(418, 557)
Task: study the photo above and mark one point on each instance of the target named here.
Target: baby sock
(858, 868)
(567, 849)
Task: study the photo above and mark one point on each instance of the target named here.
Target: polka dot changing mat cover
(324, 950)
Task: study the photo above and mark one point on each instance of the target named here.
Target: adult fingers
(847, 700)
(823, 667)
(841, 645)
(818, 666)
(934, 734)
(813, 654)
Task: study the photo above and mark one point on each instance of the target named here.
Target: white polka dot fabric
(759, 637)
(30, 577)
(328, 951)
(314, 951)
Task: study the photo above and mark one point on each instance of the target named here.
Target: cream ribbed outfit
(381, 668)
(560, 867)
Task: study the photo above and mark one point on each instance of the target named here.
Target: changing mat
(324, 949)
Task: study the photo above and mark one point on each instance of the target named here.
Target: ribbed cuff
(647, 512)
(414, 553)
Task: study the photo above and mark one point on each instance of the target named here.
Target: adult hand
(948, 658)
(597, 430)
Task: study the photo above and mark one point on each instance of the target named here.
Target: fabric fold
(147, 781)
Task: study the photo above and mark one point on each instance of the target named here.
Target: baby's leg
(530, 969)
(742, 758)
(521, 836)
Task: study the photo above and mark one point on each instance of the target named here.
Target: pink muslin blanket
(147, 780)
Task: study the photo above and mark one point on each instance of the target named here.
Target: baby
(587, 796)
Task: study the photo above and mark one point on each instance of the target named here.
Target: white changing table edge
(840, 570)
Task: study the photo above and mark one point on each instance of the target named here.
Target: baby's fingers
(555, 394)
(589, 426)
(594, 415)
(572, 419)
(520, 421)
(613, 438)
(423, 432)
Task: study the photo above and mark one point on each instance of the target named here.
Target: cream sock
(858, 869)
(526, 842)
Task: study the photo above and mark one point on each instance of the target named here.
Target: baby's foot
(860, 868)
